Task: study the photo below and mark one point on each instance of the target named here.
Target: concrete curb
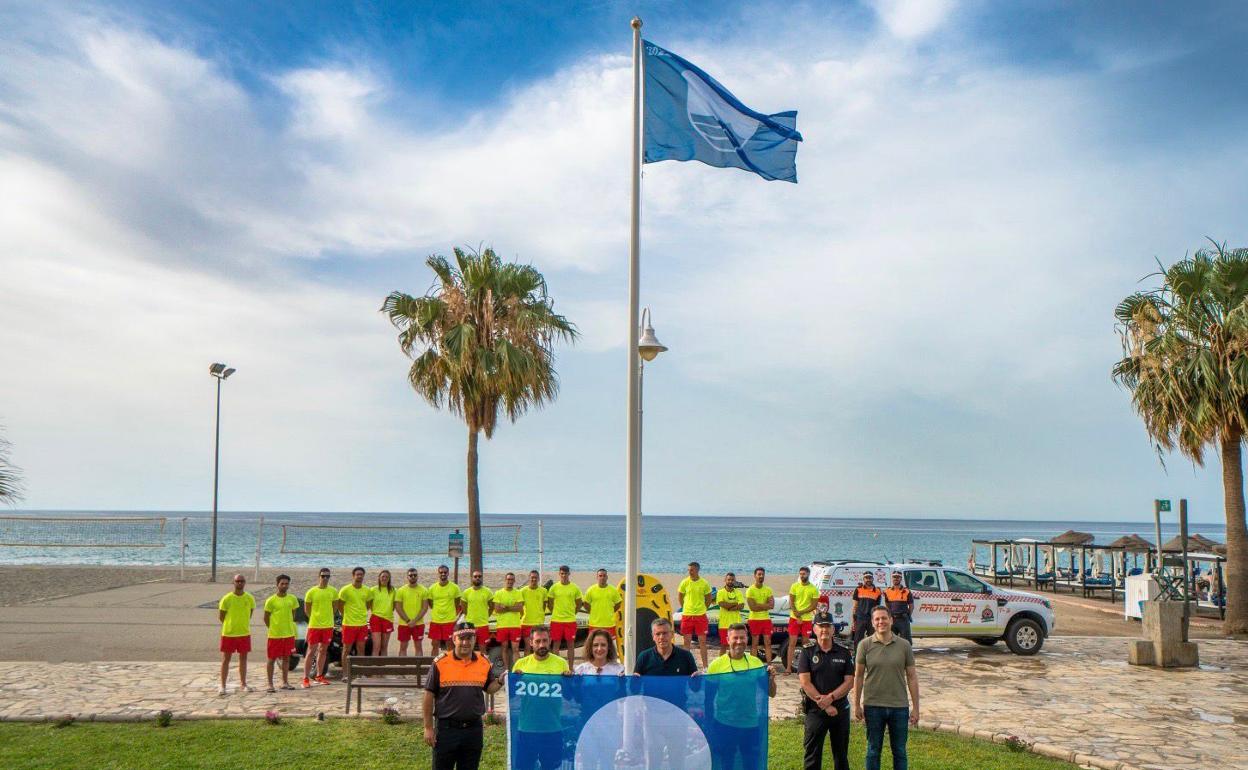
(1035, 747)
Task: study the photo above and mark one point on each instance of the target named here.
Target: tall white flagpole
(632, 537)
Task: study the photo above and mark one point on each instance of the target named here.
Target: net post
(455, 579)
(541, 569)
(182, 550)
(259, 541)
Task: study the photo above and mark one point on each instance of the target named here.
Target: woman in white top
(599, 655)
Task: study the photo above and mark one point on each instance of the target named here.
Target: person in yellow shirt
(730, 602)
(534, 597)
(476, 608)
(234, 611)
(760, 600)
(411, 602)
(353, 600)
(739, 716)
(692, 593)
(604, 601)
(381, 622)
(279, 618)
(443, 610)
(319, 604)
(564, 599)
(506, 604)
(803, 596)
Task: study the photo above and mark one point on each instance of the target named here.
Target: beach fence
(261, 541)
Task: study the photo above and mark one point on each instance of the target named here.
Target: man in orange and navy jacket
(900, 604)
(866, 598)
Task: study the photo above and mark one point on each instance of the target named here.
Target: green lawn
(305, 743)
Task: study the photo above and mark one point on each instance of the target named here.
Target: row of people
(377, 611)
(880, 672)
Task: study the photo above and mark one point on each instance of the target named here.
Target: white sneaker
(221, 690)
(245, 688)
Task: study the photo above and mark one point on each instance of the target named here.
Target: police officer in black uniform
(825, 671)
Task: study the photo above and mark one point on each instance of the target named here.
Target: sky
(921, 327)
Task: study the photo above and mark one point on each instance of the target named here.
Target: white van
(947, 602)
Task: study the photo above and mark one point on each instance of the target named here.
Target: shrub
(64, 721)
(390, 715)
(164, 718)
(272, 717)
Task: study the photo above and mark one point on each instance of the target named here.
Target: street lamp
(221, 372)
(648, 348)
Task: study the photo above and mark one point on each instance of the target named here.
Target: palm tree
(10, 476)
(480, 342)
(1185, 361)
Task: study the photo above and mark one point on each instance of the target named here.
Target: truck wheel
(1024, 637)
(985, 641)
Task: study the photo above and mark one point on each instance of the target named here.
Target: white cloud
(958, 239)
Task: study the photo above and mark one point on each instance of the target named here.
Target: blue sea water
(669, 543)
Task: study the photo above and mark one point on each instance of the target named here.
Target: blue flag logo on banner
(710, 722)
(690, 116)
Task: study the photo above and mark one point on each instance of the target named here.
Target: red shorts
(760, 627)
(380, 625)
(799, 628)
(408, 633)
(608, 629)
(693, 624)
(439, 632)
(483, 636)
(505, 635)
(353, 634)
(561, 631)
(236, 643)
(524, 633)
(320, 636)
(281, 648)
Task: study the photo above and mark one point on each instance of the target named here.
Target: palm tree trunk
(1236, 535)
(474, 504)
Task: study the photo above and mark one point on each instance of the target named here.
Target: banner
(710, 722)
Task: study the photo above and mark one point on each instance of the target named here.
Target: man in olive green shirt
(883, 677)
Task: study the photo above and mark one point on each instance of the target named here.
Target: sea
(669, 543)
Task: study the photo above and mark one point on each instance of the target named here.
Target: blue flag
(690, 116)
(711, 722)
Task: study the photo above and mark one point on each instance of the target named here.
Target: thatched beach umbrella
(1073, 537)
(1132, 543)
(1196, 542)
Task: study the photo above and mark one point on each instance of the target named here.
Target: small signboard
(1163, 506)
(455, 545)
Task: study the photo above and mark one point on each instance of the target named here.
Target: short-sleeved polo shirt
(477, 605)
(565, 596)
(695, 592)
(827, 669)
(458, 686)
(238, 609)
(281, 611)
(534, 605)
(442, 598)
(736, 698)
(355, 604)
(321, 600)
(679, 663)
(760, 595)
(729, 617)
(602, 601)
(884, 676)
(806, 595)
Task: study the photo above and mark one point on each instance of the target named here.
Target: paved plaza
(1078, 699)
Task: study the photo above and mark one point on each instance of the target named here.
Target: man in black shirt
(666, 659)
(825, 671)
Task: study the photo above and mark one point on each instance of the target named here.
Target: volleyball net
(82, 531)
(387, 540)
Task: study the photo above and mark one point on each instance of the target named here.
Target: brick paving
(1078, 699)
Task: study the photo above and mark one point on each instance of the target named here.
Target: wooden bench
(396, 672)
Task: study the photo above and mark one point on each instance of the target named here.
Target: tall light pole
(220, 372)
(648, 348)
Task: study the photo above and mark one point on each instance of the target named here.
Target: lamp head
(220, 371)
(649, 347)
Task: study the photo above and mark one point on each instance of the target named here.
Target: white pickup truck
(947, 602)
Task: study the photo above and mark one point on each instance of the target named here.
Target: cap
(823, 618)
(465, 625)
